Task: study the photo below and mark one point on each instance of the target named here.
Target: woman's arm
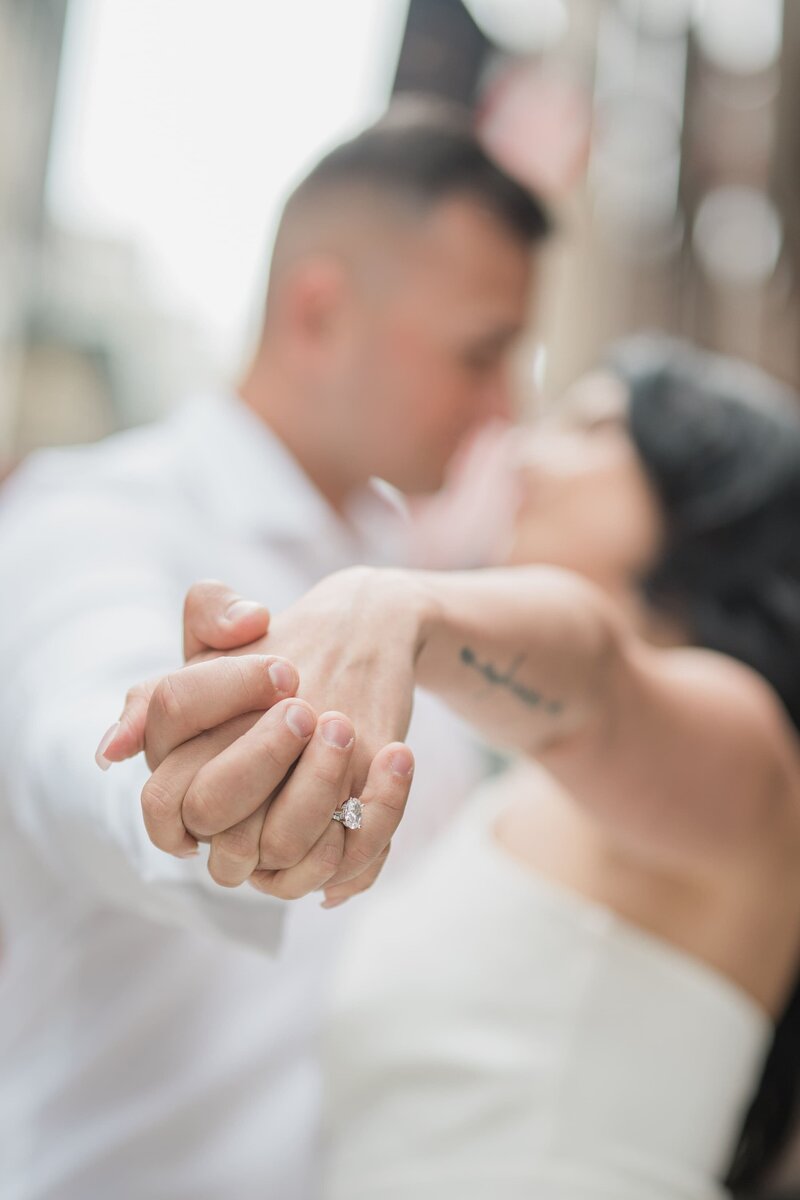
(526, 654)
(678, 752)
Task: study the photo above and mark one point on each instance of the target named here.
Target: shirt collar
(254, 484)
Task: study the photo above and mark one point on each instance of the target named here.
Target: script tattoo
(507, 679)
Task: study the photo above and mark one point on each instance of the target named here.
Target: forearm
(525, 654)
(77, 630)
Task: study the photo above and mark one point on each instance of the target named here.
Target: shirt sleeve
(90, 603)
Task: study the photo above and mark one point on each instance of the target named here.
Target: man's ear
(317, 298)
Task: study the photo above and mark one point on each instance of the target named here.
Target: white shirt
(157, 1033)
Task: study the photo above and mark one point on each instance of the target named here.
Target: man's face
(430, 363)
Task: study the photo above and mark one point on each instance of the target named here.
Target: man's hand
(214, 619)
(223, 771)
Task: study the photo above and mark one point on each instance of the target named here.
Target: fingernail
(402, 763)
(337, 733)
(242, 608)
(282, 676)
(299, 720)
(105, 741)
(334, 903)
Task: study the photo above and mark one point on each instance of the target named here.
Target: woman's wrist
(426, 603)
(409, 601)
(399, 606)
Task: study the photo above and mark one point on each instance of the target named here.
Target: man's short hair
(421, 152)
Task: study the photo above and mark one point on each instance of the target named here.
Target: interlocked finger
(163, 794)
(334, 896)
(234, 852)
(309, 875)
(301, 812)
(298, 836)
(232, 786)
(205, 694)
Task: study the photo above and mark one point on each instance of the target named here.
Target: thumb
(217, 618)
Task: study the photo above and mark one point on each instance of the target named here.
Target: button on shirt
(158, 1034)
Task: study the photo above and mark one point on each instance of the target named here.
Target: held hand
(358, 659)
(214, 754)
(355, 649)
(261, 788)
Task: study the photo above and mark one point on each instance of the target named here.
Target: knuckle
(220, 872)
(252, 680)
(272, 759)
(241, 668)
(236, 846)
(330, 772)
(159, 805)
(271, 743)
(166, 700)
(262, 881)
(329, 855)
(287, 888)
(394, 799)
(280, 850)
(198, 807)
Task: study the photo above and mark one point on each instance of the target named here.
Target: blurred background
(146, 149)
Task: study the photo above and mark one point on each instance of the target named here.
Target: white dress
(496, 1035)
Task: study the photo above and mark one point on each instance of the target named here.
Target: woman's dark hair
(720, 442)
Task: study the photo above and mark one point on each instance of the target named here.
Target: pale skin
(220, 743)
(398, 324)
(675, 795)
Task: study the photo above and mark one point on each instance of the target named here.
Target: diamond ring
(350, 813)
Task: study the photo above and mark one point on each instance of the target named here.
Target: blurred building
(84, 346)
(30, 49)
(664, 132)
(687, 218)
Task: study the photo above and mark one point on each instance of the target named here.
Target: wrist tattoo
(507, 679)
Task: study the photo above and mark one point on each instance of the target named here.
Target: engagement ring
(350, 813)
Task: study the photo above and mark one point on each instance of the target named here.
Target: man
(157, 1034)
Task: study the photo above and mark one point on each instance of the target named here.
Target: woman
(576, 994)
(588, 988)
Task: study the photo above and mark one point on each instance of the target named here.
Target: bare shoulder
(735, 750)
(695, 761)
(735, 704)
